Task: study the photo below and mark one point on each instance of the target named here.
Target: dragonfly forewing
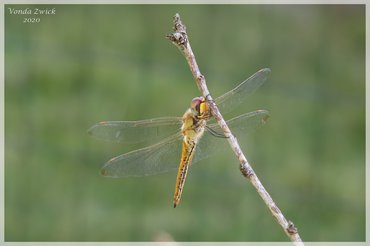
(232, 99)
(136, 131)
(153, 129)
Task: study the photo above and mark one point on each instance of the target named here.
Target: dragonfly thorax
(194, 120)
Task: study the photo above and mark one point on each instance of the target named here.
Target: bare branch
(180, 38)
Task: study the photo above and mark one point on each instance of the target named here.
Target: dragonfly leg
(215, 133)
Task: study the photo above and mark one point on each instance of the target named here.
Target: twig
(180, 38)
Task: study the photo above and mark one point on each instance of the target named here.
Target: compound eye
(195, 104)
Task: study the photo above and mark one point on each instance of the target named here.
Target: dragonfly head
(199, 107)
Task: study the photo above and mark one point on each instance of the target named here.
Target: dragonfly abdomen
(192, 130)
(188, 150)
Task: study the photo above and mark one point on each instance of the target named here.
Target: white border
(187, 2)
(2, 118)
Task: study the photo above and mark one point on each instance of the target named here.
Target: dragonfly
(190, 138)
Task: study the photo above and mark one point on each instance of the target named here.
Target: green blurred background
(89, 63)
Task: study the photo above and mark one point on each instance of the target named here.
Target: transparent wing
(240, 126)
(136, 131)
(158, 158)
(152, 129)
(244, 124)
(165, 156)
(230, 100)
